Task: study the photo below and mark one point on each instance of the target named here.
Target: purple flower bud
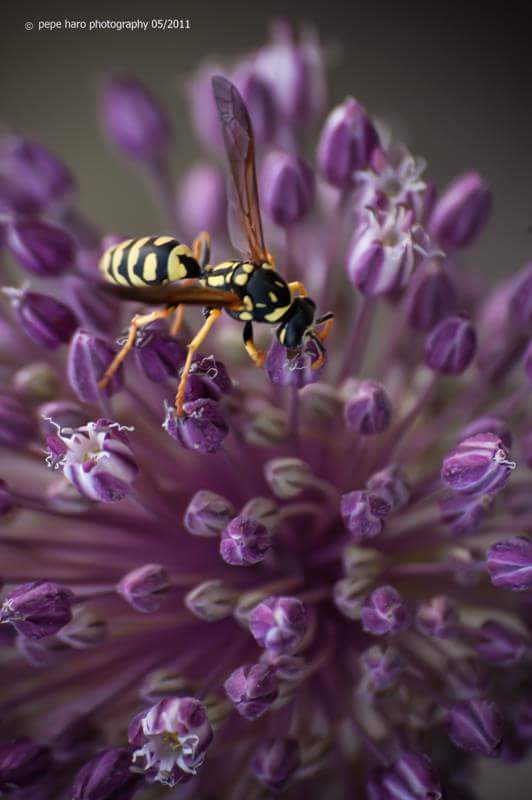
(245, 542)
(135, 121)
(260, 102)
(476, 726)
(384, 611)
(88, 358)
(208, 514)
(208, 380)
(145, 587)
(500, 645)
(96, 460)
(451, 346)
(285, 369)
(288, 188)
(279, 624)
(294, 67)
(432, 298)
(346, 143)
(520, 303)
(159, 355)
(437, 617)
(40, 247)
(488, 424)
(201, 200)
(510, 563)
(478, 465)
(368, 411)
(171, 739)
(95, 308)
(252, 688)
(47, 321)
(461, 212)
(14, 200)
(35, 172)
(383, 252)
(203, 426)
(363, 514)
(411, 776)
(383, 666)
(22, 762)
(211, 601)
(17, 426)
(107, 775)
(37, 609)
(275, 762)
(389, 484)
(464, 515)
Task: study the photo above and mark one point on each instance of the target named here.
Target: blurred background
(452, 79)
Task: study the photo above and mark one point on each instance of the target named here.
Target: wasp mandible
(160, 270)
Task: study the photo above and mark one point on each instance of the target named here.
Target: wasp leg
(193, 346)
(327, 320)
(257, 356)
(139, 321)
(202, 248)
(296, 286)
(271, 258)
(321, 351)
(177, 321)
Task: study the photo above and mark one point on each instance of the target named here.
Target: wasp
(162, 271)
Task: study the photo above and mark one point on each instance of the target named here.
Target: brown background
(454, 77)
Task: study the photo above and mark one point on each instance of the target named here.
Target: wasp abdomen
(149, 262)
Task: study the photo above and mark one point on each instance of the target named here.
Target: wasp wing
(171, 294)
(240, 148)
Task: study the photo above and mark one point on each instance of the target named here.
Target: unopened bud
(211, 601)
(144, 587)
(288, 477)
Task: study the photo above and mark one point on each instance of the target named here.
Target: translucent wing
(173, 294)
(240, 147)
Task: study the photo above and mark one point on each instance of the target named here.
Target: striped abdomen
(148, 262)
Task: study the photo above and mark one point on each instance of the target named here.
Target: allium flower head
(316, 580)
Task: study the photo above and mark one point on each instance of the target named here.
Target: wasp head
(297, 323)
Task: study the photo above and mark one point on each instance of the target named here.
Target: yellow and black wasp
(160, 270)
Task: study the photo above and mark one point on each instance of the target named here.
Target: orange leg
(139, 321)
(297, 286)
(327, 328)
(177, 321)
(194, 345)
